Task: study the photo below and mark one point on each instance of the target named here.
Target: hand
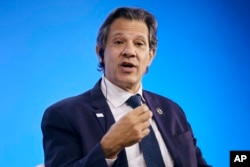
(130, 129)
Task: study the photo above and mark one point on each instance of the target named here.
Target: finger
(145, 125)
(146, 116)
(145, 132)
(140, 110)
(141, 113)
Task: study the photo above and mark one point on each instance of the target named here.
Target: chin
(129, 81)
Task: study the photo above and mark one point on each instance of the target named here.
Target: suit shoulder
(158, 97)
(65, 109)
(69, 103)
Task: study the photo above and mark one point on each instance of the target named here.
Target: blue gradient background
(47, 51)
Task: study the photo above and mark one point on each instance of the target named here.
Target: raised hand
(130, 129)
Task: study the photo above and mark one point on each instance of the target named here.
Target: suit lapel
(101, 108)
(162, 117)
(105, 119)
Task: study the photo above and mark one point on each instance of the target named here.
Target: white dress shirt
(116, 98)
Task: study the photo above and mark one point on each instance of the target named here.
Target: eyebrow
(120, 34)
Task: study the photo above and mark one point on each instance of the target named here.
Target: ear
(97, 50)
(151, 56)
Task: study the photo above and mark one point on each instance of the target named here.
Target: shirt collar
(114, 94)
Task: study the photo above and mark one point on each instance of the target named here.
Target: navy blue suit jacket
(72, 132)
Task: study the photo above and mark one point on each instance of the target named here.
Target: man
(100, 128)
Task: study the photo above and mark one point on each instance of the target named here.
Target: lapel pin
(159, 111)
(99, 115)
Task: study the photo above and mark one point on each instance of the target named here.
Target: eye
(139, 44)
(118, 42)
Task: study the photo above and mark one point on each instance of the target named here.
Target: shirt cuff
(110, 162)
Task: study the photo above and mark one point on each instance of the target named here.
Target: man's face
(127, 53)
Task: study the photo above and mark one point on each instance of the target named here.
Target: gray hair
(130, 14)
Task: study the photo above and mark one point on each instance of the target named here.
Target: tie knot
(134, 101)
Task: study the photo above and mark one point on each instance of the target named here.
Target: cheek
(144, 66)
(112, 58)
(107, 58)
(147, 61)
(109, 62)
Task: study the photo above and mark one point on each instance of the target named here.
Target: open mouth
(127, 65)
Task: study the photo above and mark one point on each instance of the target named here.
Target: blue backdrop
(47, 51)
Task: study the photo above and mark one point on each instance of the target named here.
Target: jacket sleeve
(199, 157)
(62, 145)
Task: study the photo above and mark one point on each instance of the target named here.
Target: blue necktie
(148, 145)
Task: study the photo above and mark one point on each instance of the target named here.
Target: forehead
(122, 26)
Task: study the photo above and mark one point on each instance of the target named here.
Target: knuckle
(145, 107)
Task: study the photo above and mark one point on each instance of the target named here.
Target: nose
(128, 50)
